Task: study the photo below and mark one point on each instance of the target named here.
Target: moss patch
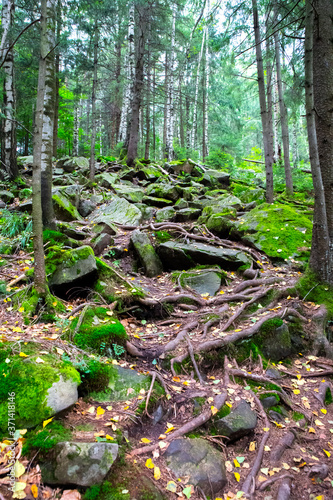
(44, 439)
(311, 289)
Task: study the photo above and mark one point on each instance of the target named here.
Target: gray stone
(156, 202)
(273, 373)
(80, 464)
(126, 385)
(147, 212)
(119, 211)
(74, 164)
(106, 180)
(277, 343)
(175, 255)
(241, 421)
(26, 206)
(62, 395)
(178, 167)
(269, 401)
(101, 242)
(203, 282)
(277, 417)
(77, 264)
(63, 208)
(197, 460)
(166, 191)
(25, 161)
(186, 214)
(166, 213)
(212, 177)
(146, 253)
(181, 203)
(86, 207)
(133, 194)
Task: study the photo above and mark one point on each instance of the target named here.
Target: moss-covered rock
(133, 194)
(63, 208)
(278, 230)
(167, 191)
(165, 214)
(113, 286)
(37, 390)
(120, 211)
(147, 255)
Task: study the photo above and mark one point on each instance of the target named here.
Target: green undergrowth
(99, 331)
(156, 395)
(29, 381)
(44, 439)
(112, 286)
(162, 236)
(95, 375)
(31, 304)
(309, 288)
(54, 238)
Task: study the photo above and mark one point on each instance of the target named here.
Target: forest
(166, 249)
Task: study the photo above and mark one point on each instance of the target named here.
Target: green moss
(95, 375)
(44, 439)
(156, 395)
(110, 283)
(270, 325)
(162, 236)
(223, 412)
(54, 237)
(31, 302)
(106, 491)
(297, 416)
(66, 206)
(312, 290)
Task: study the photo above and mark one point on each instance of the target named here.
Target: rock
(165, 214)
(147, 212)
(119, 211)
(150, 173)
(130, 193)
(63, 208)
(167, 191)
(241, 421)
(127, 175)
(2, 204)
(279, 230)
(181, 166)
(156, 202)
(6, 196)
(74, 164)
(273, 373)
(197, 460)
(105, 228)
(175, 255)
(106, 180)
(158, 415)
(203, 282)
(276, 341)
(101, 242)
(186, 214)
(269, 401)
(125, 385)
(80, 464)
(26, 206)
(73, 192)
(212, 177)
(41, 389)
(72, 266)
(86, 207)
(25, 161)
(147, 255)
(181, 203)
(320, 471)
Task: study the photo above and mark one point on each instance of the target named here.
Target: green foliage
(16, 228)
(162, 236)
(311, 289)
(95, 375)
(106, 159)
(44, 439)
(220, 160)
(106, 491)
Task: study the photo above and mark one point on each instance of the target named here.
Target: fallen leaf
(19, 469)
(327, 453)
(311, 429)
(214, 410)
(100, 411)
(188, 491)
(71, 495)
(252, 446)
(23, 355)
(39, 360)
(34, 491)
(237, 476)
(157, 473)
(145, 440)
(171, 486)
(261, 479)
(318, 423)
(47, 422)
(149, 463)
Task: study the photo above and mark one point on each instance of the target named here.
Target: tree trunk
(132, 150)
(76, 131)
(48, 118)
(8, 149)
(93, 108)
(196, 93)
(263, 108)
(181, 115)
(147, 144)
(154, 123)
(284, 120)
(171, 97)
(166, 104)
(57, 84)
(269, 85)
(205, 150)
(321, 260)
(37, 217)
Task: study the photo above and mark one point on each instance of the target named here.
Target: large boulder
(197, 460)
(165, 214)
(214, 177)
(124, 384)
(119, 211)
(179, 166)
(147, 255)
(202, 282)
(63, 208)
(167, 191)
(86, 207)
(274, 340)
(106, 180)
(80, 464)
(74, 164)
(133, 194)
(241, 421)
(43, 386)
(70, 268)
(176, 255)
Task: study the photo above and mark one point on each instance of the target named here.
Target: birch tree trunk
(8, 149)
(206, 89)
(276, 120)
(48, 118)
(196, 93)
(284, 121)
(263, 108)
(93, 107)
(57, 83)
(269, 85)
(76, 131)
(171, 97)
(37, 216)
(323, 106)
(130, 65)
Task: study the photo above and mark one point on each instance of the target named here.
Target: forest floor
(304, 449)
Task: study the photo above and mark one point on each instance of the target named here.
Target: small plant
(118, 350)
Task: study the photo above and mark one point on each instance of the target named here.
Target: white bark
(130, 66)
(276, 120)
(76, 131)
(194, 138)
(170, 94)
(205, 151)
(6, 20)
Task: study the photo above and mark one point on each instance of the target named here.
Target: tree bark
(321, 249)
(57, 84)
(48, 118)
(147, 144)
(8, 146)
(205, 150)
(93, 107)
(170, 95)
(263, 108)
(76, 131)
(196, 93)
(269, 85)
(284, 120)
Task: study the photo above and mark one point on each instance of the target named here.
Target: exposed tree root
(284, 491)
(256, 378)
(190, 426)
(278, 451)
(273, 480)
(149, 392)
(324, 388)
(262, 281)
(242, 308)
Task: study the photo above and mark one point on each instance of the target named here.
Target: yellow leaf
(100, 411)
(21, 310)
(145, 440)
(149, 463)
(20, 494)
(91, 410)
(318, 422)
(171, 486)
(157, 473)
(110, 438)
(59, 351)
(54, 303)
(311, 429)
(238, 330)
(176, 379)
(278, 425)
(237, 476)
(162, 436)
(109, 313)
(327, 453)
(23, 355)
(214, 410)
(169, 429)
(47, 422)
(34, 491)
(252, 446)
(296, 391)
(323, 410)
(19, 469)
(266, 429)
(261, 479)
(299, 377)
(237, 464)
